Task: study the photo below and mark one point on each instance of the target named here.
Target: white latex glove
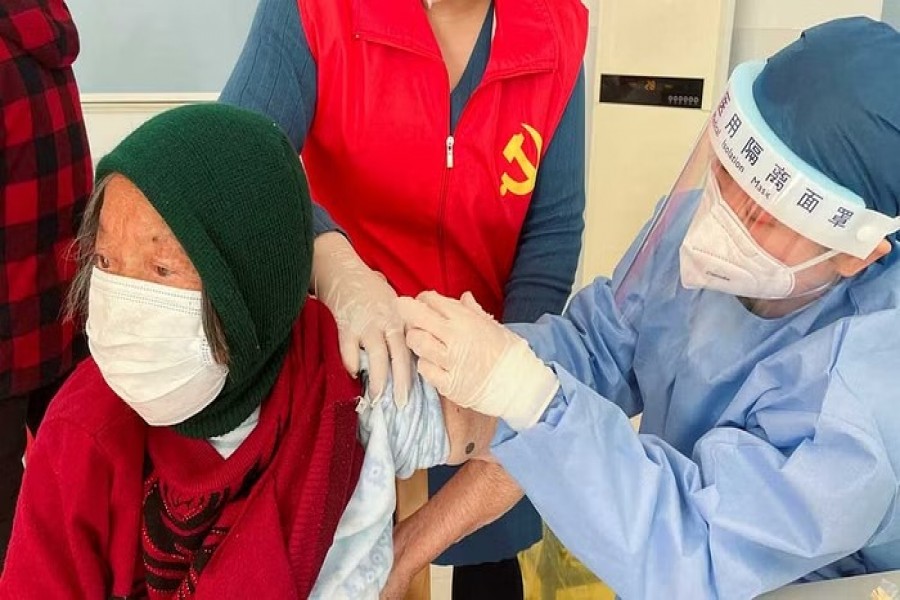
(475, 362)
(364, 306)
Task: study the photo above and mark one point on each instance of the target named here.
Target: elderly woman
(214, 445)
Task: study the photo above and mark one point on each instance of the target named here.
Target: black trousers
(15, 414)
(489, 581)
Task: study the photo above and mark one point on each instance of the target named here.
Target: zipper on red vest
(445, 183)
(450, 141)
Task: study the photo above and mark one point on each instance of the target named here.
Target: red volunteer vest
(428, 209)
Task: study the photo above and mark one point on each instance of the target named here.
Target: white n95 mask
(718, 253)
(148, 342)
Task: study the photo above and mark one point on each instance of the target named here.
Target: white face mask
(148, 341)
(718, 253)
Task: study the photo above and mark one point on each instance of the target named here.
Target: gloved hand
(364, 306)
(474, 361)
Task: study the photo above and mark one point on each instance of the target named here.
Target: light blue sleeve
(591, 341)
(415, 433)
(397, 441)
(751, 510)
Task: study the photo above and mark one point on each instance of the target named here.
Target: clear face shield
(734, 245)
(750, 219)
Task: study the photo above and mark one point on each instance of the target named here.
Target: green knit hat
(232, 190)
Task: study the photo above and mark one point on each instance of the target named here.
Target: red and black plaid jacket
(45, 179)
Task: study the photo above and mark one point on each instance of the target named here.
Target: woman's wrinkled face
(134, 241)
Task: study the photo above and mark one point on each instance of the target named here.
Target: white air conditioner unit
(660, 65)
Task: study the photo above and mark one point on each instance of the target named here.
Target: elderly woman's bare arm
(428, 431)
(470, 433)
(477, 495)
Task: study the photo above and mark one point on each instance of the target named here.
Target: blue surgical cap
(833, 97)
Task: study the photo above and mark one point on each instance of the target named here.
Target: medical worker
(754, 323)
(446, 138)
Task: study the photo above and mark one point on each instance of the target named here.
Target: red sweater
(113, 508)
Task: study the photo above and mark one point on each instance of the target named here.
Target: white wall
(167, 46)
(762, 27)
(138, 48)
(110, 117)
(159, 46)
(136, 60)
(891, 13)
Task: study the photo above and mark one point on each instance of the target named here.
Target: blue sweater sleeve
(550, 242)
(276, 75)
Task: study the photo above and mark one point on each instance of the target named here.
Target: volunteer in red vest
(446, 141)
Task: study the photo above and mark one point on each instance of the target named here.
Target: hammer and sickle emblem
(514, 152)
